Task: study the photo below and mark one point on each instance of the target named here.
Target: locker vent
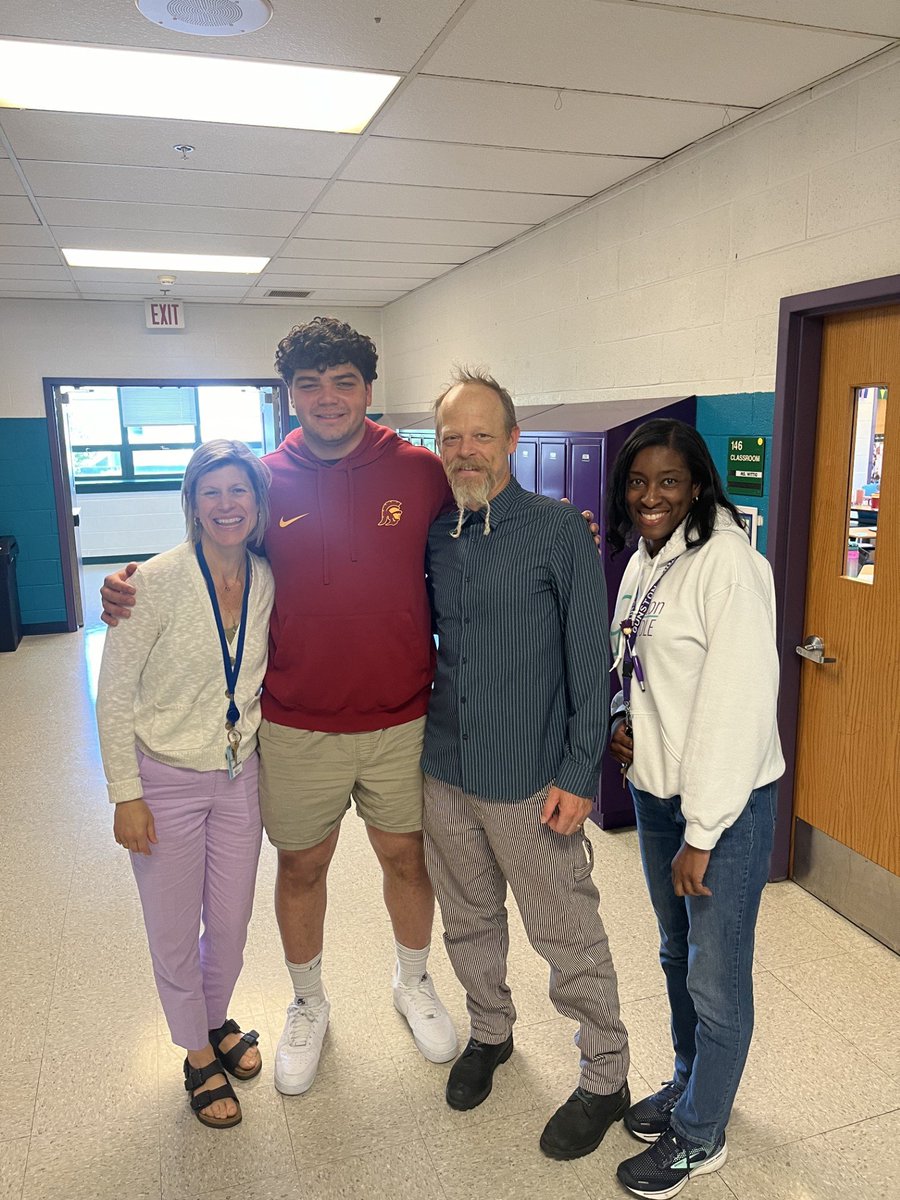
(287, 294)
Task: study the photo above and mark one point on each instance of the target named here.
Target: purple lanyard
(631, 664)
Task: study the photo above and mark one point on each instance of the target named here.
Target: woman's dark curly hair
(325, 342)
(687, 442)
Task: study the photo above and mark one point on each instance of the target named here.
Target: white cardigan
(705, 728)
(162, 680)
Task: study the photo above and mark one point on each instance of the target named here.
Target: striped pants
(473, 849)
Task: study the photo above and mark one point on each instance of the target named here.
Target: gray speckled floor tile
(858, 1162)
(404, 1172)
(13, 1156)
(500, 1160)
(347, 1113)
(857, 1000)
(116, 1081)
(196, 1159)
(425, 1084)
(19, 1088)
(95, 1163)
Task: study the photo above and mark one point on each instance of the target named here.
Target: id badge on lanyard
(233, 764)
(631, 663)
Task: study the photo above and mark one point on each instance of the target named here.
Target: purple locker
(586, 460)
(553, 469)
(524, 464)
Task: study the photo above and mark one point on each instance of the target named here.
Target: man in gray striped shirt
(515, 730)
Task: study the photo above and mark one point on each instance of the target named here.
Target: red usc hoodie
(350, 646)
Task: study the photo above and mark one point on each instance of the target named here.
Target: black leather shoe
(578, 1127)
(472, 1075)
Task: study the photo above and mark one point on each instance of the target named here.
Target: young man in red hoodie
(351, 660)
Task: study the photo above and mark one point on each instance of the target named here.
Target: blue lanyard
(631, 663)
(231, 670)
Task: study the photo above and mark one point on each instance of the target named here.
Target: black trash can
(10, 615)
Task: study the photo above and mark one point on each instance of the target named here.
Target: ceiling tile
(32, 271)
(333, 295)
(17, 210)
(150, 279)
(361, 283)
(10, 184)
(389, 36)
(625, 48)
(175, 217)
(283, 267)
(450, 204)
(497, 114)
(863, 16)
(23, 287)
(145, 142)
(24, 235)
(301, 247)
(35, 255)
(126, 288)
(175, 186)
(400, 229)
(443, 164)
(114, 297)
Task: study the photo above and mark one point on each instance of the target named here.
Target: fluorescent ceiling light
(188, 87)
(139, 260)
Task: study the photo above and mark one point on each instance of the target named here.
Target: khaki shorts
(306, 781)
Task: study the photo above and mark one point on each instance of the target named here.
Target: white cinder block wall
(670, 283)
(129, 523)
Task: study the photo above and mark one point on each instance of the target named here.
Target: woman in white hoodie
(695, 733)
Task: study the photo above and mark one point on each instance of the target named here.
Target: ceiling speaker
(207, 18)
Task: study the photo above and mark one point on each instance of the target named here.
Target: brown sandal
(231, 1059)
(195, 1077)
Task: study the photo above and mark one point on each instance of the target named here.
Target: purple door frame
(801, 320)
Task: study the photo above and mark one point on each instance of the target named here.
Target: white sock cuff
(306, 978)
(412, 964)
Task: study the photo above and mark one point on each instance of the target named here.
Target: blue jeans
(706, 951)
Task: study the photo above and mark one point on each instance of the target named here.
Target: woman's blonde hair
(223, 453)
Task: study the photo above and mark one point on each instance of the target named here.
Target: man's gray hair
(462, 375)
(220, 452)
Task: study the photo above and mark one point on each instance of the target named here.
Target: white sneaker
(300, 1046)
(429, 1021)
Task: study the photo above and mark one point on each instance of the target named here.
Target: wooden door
(847, 783)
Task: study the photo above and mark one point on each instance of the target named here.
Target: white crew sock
(307, 980)
(411, 964)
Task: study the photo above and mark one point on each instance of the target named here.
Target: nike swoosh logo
(284, 523)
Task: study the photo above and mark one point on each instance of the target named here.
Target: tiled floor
(91, 1101)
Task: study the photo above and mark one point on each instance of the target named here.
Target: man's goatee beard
(472, 494)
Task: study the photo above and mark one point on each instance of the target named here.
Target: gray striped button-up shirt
(521, 693)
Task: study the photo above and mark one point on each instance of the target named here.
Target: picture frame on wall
(750, 521)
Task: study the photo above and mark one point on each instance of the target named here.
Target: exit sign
(164, 314)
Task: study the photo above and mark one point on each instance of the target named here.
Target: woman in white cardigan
(178, 712)
(694, 641)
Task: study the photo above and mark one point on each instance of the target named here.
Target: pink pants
(203, 867)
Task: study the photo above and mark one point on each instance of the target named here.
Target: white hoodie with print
(704, 727)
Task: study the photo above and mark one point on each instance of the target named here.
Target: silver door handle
(814, 649)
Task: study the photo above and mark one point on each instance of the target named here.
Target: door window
(865, 483)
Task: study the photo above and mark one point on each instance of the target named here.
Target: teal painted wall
(722, 417)
(28, 512)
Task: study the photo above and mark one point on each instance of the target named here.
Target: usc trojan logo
(391, 512)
